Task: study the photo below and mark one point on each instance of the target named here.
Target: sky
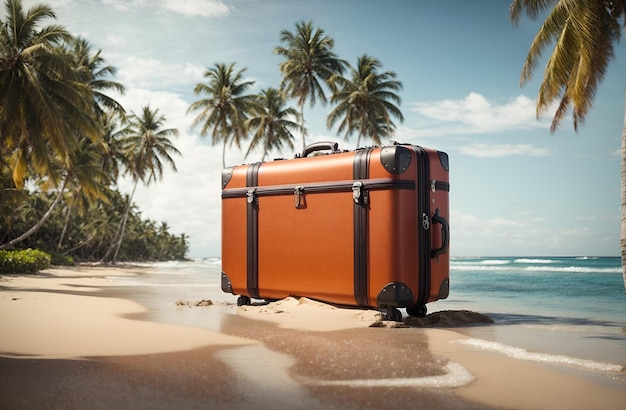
(516, 189)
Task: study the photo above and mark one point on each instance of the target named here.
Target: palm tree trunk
(224, 155)
(130, 201)
(116, 241)
(623, 179)
(361, 134)
(80, 245)
(67, 222)
(107, 253)
(39, 224)
(302, 126)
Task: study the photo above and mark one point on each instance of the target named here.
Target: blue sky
(515, 188)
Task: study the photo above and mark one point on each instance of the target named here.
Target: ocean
(561, 310)
(556, 310)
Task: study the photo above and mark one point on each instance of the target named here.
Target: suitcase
(365, 228)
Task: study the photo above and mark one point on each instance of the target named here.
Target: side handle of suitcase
(445, 235)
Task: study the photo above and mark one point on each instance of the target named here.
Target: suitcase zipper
(423, 234)
(252, 229)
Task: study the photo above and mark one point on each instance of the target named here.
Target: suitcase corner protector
(227, 286)
(396, 294)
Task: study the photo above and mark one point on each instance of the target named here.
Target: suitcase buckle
(251, 196)
(298, 196)
(357, 191)
(359, 194)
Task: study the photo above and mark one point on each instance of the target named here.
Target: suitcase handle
(445, 235)
(319, 146)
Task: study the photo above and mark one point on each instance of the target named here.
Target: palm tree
(88, 183)
(10, 198)
(224, 110)
(114, 159)
(147, 146)
(272, 122)
(96, 229)
(309, 62)
(92, 72)
(366, 101)
(91, 179)
(584, 34)
(43, 105)
(84, 178)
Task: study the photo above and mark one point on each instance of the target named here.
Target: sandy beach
(73, 338)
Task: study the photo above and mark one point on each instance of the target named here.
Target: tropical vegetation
(309, 63)
(225, 105)
(271, 123)
(583, 34)
(24, 261)
(230, 113)
(365, 101)
(65, 143)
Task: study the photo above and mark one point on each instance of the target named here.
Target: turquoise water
(559, 310)
(585, 288)
(563, 310)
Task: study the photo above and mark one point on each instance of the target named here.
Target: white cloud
(114, 40)
(125, 5)
(204, 8)
(54, 4)
(188, 200)
(523, 234)
(475, 114)
(170, 104)
(502, 150)
(150, 73)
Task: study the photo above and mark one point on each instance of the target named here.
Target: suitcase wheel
(243, 301)
(393, 314)
(417, 310)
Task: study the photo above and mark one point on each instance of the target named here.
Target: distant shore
(71, 337)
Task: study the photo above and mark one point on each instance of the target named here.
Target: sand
(69, 340)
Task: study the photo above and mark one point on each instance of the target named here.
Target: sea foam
(541, 261)
(523, 354)
(456, 376)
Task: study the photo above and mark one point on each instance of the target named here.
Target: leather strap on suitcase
(361, 225)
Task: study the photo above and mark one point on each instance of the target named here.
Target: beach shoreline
(106, 344)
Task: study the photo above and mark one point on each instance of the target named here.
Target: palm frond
(583, 34)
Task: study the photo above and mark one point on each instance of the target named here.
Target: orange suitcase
(364, 228)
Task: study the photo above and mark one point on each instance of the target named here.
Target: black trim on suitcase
(227, 174)
(252, 230)
(322, 187)
(423, 228)
(439, 186)
(395, 159)
(443, 158)
(361, 225)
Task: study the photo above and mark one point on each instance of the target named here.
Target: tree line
(65, 143)
(364, 97)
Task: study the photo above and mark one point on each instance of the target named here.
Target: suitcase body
(363, 228)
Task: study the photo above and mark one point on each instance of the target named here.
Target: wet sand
(72, 339)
